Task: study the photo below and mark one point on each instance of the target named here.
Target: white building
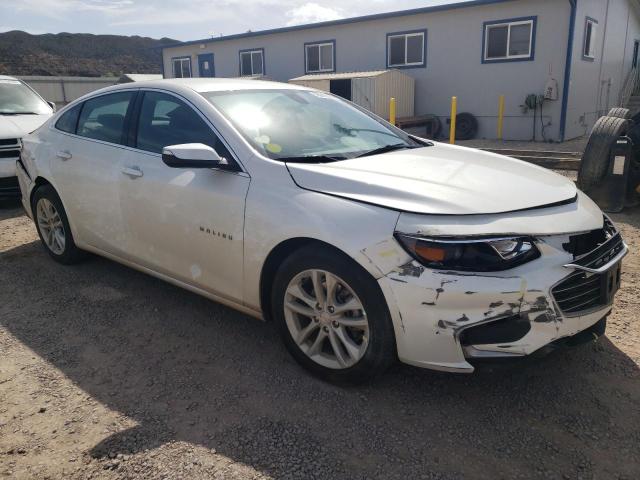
(475, 50)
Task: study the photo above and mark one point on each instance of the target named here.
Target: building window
(251, 62)
(406, 49)
(509, 40)
(182, 67)
(589, 46)
(319, 56)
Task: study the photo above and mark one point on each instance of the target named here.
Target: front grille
(579, 293)
(603, 254)
(9, 187)
(583, 291)
(584, 243)
(10, 148)
(9, 183)
(9, 142)
(9, 154)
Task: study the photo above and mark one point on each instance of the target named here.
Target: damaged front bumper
(445, 319)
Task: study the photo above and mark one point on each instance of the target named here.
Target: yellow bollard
(392, 111)
(454, 114)
(500, 116)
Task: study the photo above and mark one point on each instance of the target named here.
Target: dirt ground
(107, 373)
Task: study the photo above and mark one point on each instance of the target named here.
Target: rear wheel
(332, 316)
(53, 226)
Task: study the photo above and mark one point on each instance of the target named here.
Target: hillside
(78, 54)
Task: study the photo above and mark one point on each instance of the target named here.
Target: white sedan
(362, 243)
(22, 110)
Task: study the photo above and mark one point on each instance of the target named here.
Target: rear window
(69, 120)
(103, 118)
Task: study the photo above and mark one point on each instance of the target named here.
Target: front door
(87, 167)
(205, 65)
(183, 222)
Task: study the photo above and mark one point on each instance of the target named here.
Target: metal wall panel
(63, 90)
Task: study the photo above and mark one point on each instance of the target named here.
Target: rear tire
(595, 160)
(345, 333)
(53, 226)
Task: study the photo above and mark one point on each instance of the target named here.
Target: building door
(636, 47)
(341, 87)
(205, 65)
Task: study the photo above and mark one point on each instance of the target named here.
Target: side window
(165, 120)
(406, 49)
(319, 57)
(251, 62)
(182, 67)
(509, 40)
(102, 118)
(69, 120)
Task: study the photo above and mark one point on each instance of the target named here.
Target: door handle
(64, 155)
(133, 172)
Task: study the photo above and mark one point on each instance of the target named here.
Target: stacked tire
(620, 112)
(595, 160)
(603, 138)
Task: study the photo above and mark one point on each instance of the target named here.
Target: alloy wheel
(50, 226)
(326, 319)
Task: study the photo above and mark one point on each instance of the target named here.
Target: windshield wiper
(311, 159)
(387, 148)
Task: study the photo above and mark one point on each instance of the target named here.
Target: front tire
(332, 316)
(53, 226)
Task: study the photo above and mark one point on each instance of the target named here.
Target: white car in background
(364, 244)
(22, 110)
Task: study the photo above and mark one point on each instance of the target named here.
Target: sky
(183, 19)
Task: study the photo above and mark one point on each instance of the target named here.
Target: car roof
(212, 84)
(7, 77)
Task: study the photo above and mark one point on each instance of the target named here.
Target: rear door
(88, 156)
(183, 222)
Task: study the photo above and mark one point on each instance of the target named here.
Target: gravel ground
(108, 373)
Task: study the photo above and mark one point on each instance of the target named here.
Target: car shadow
(185, 368)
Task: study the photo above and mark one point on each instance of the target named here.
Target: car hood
(17, 126)
(441, 179)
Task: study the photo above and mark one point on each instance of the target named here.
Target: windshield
(18, 99)
(303, 125)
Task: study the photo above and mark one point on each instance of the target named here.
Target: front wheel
(332, 316)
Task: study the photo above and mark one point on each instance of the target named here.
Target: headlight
(472, 255)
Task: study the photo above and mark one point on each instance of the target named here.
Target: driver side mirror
(53, 106)
(192, 155)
